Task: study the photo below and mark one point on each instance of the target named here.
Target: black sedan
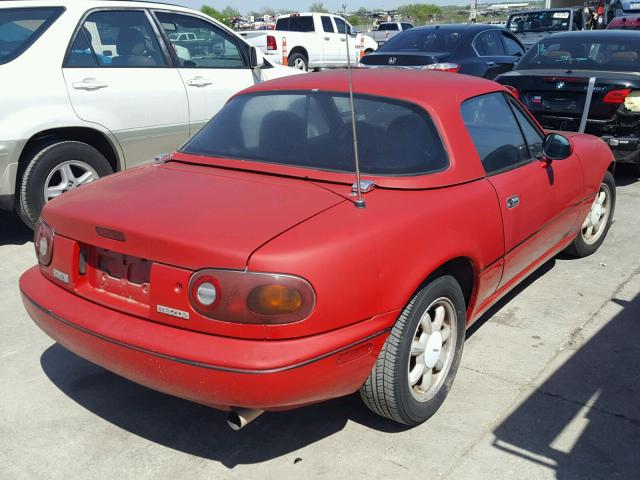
(476, 49)
(585, 81)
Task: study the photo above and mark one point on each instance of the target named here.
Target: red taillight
(513, 90)
(444, 67)
(271, 43)
(616, 96)
(251, 297)
(43, 243)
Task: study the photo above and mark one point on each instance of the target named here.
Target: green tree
(230, 12)
(318, 7)
(420, 12)
(213, 13)
(355, 20)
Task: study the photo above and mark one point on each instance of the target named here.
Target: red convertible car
(238, 273)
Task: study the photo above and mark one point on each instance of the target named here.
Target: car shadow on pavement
(195, 429)
(584, 421)
(12, 230)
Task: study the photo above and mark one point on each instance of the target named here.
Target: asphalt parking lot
(549, 388)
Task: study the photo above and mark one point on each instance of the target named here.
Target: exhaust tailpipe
(240, 417)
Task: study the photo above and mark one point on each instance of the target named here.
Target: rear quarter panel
(366, 262)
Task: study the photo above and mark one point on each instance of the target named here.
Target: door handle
(89, 84)
(491, 64)
(327, 38)
(513, 202)
(342, 40)
(199, 82)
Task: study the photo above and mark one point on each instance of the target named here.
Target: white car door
(330, 40)
(118, 75)
(218, 66)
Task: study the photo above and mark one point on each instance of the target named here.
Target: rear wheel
(299, 61)
(419, 360)
(596, 226)
(54, 170)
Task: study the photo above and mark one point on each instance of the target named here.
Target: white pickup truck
(386, 30)
(311, 41)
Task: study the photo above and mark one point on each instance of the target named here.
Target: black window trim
(515, 165)
(243, 48)
(483, 32)
(165, 53)
(407, 103)
(37, 33)
(507, 33)
(333, 26)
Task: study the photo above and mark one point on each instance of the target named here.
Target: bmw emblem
(392, 60)
(559, 85)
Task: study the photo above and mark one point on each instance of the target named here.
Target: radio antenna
(359, 200)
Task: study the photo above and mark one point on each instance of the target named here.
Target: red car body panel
(197, 212)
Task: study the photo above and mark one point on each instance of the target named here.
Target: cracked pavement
(549, 387)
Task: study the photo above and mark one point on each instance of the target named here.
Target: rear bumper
(216, 371)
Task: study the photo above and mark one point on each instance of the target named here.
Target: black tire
(31, 197)
(298, 57)
(387, 390)
(580, 247)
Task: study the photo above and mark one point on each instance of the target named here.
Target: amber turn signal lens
(274, 300)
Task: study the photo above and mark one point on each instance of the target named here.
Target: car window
(593, 52)
(406, 26)
(313, 130)
(296, 23)
(532, 135)
(20, 27)
(117, 39)
(545, 21)
(81, 54)
(495, 133)
(512, 47)
(340, 25)
(489, 44)
(424, 40)
(327, 24)
(203, 44)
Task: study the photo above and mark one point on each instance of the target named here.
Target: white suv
(91, 87)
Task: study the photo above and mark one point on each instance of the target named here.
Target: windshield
(313, 130)
(423, 40)
(550, 21)
(580, 53)
(20, 27)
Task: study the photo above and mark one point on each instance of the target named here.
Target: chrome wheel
(595, 224)
(68, 176)
(299, 63)
(432, 349)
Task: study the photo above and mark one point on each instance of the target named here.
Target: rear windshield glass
(580, 53)
(423, 40)
(549, 21)
(20, 27)
(313, 130)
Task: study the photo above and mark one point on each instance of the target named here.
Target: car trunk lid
(131, 241)
(560, 96)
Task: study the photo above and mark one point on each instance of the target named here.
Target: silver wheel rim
(595, 224)
(432, 349)
(68, 176)
(299, 64)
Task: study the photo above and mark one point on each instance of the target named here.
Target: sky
(247, 5)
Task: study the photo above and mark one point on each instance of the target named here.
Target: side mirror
(556, 147)
(255, 58)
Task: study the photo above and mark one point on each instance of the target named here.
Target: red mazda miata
(239, 273)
